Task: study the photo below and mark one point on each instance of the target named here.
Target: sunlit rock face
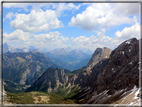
(99, 54)
(49, 80)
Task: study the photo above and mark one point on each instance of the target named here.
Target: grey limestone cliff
(98, 55)
(50, 80)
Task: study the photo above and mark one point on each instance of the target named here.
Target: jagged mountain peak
(50, 80)
(123, 61)
(98, 55)
(120, 74)
(111, 78)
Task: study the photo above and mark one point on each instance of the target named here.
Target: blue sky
(76, 25)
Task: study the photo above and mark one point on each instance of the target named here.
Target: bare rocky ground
(41, 99)
(131, 98)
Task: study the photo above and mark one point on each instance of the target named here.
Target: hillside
(25, 68)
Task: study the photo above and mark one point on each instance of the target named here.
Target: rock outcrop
(98, 55)
(50, 80)
(87, 76)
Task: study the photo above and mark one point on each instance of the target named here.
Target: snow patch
(88, 87)
(128, 42)
(131, 103)
(130, 63)
(116, 105)
(136, 94)
(113, 70)
(133, 90)
(122, 52)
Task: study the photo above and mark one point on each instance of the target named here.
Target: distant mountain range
(31, 48)
(71, 60)
(7, 48)
(67, 58)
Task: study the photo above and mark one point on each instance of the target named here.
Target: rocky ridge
(98, 55)
(50, 80)
(119, 74)
(108, 77)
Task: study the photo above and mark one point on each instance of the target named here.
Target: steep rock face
(119, 75)
(50, 80)
(99, 54)
(31, 74)
(87, 76)
(81, 78)
(122, 69)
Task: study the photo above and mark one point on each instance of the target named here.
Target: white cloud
(36, 21)
(94, 42)
(50, 40)
(99, 16)
(59, 7)
(126, 8)
(16, 5)
(36, 6)
(10, 15)
(17, 35)
(101, 40)
(129, 32)
(63, 6)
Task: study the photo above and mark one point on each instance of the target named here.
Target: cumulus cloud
(10, 15)
(126, 8)
(36, 21)
(50, 37)
(93, 42)
(17, 35)
(129, 32)
(16, 5)
(50, 40)
(101, 40)
(100, 16)
(63, 6)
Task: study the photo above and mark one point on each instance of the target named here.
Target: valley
(73, 77)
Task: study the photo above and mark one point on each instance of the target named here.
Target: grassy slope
(29, 98)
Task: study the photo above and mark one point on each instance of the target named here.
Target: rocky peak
(50, 80)
(5, 47)
(119, 76)
(98, 55)
(122, 67)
